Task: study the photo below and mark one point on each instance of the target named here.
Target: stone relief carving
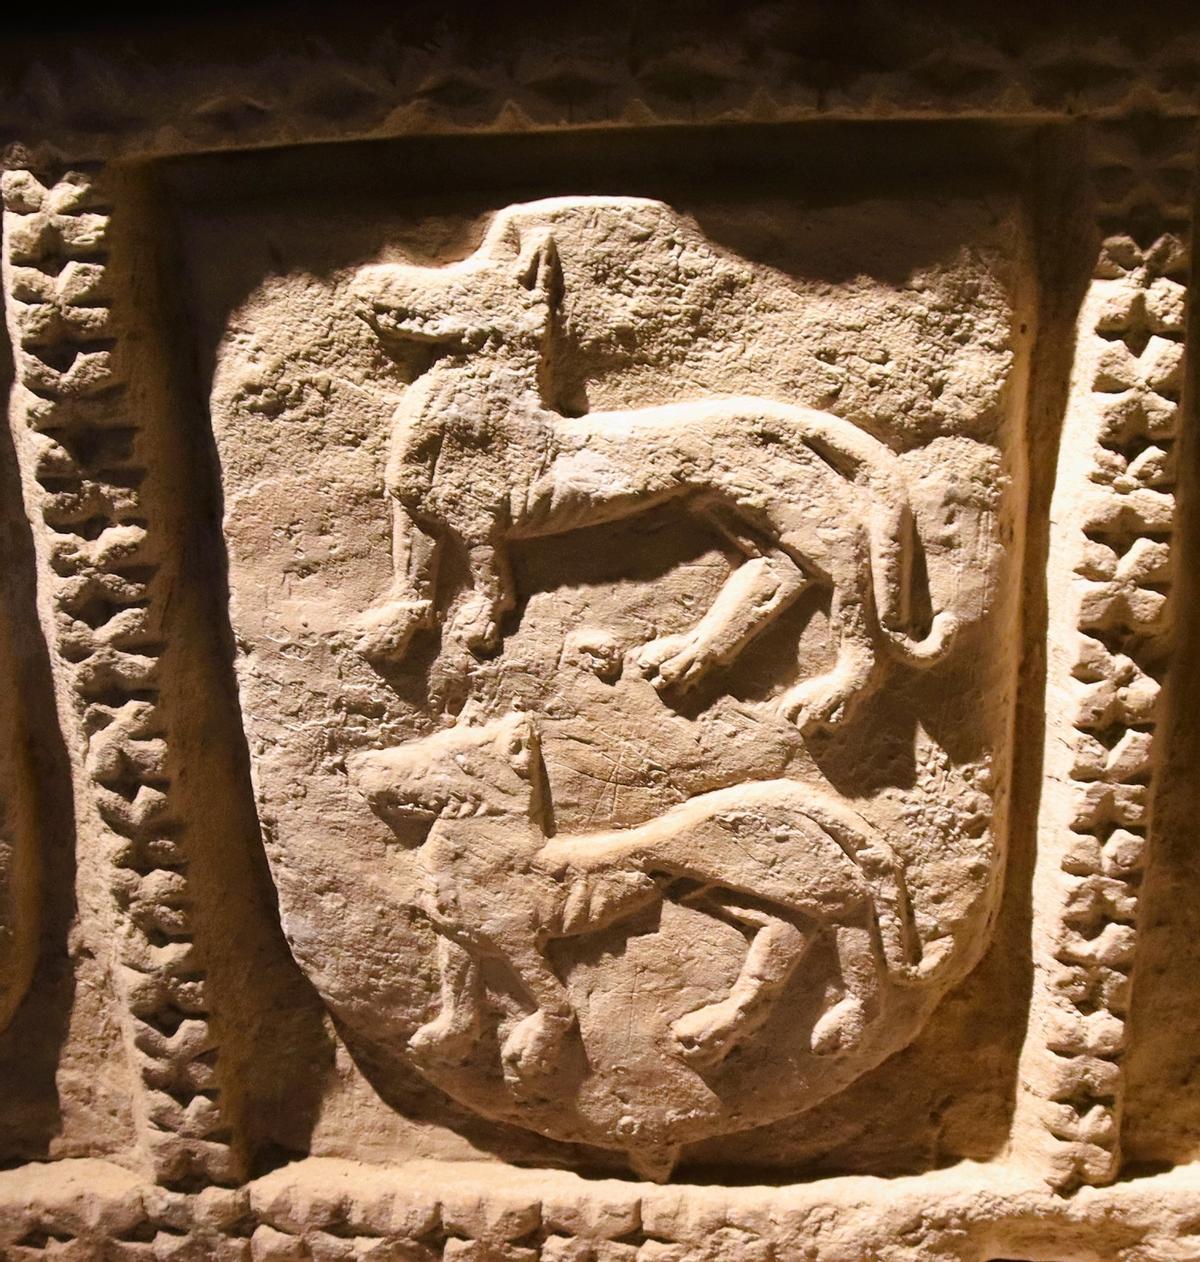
(86, 461)
(754, 749)
(813, 953)
(1121, 447)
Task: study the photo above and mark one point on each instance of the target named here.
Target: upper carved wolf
(481, 458)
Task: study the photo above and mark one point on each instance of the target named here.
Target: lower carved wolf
(773, 856)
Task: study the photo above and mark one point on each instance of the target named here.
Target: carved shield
(624, 805)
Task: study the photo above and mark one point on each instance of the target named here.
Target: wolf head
(503, 295)
(508, 292)
(463, 772)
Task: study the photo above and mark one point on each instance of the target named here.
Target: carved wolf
(480, 458)
(774, 856)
